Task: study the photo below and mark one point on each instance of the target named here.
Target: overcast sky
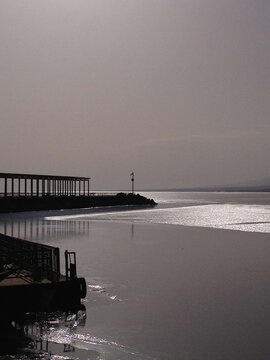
(176, 90)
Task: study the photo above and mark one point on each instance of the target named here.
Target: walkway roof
(42, 177)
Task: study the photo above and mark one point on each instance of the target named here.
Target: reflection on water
(132, 231)
(52, 336)
(43, 336)
(59, 335)
(40, 229)
(52, 225)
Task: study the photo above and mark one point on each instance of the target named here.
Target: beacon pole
(132, 182)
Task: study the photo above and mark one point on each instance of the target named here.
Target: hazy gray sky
(176, 90)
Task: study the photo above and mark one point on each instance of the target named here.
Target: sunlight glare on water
(253, 218)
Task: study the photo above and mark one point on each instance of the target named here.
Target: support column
(37, 189)
(19, 186)
(84, 187)
(12, 187)
(6, 187)
(25, 187)
(32, 187)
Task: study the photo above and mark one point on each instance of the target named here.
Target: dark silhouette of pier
(30, 185)
(28, 192)
(30, 278)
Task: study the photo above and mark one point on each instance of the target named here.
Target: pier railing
(38, 260)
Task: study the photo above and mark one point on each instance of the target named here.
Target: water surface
(158, 289)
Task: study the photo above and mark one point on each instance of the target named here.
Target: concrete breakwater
(25, 203)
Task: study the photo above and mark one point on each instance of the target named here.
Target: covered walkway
(29, 185)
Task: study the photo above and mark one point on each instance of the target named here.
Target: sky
(177, 91)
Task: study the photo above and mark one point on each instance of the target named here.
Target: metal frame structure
(30, 185)
(28, 259)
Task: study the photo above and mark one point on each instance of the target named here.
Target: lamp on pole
(132, 182)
